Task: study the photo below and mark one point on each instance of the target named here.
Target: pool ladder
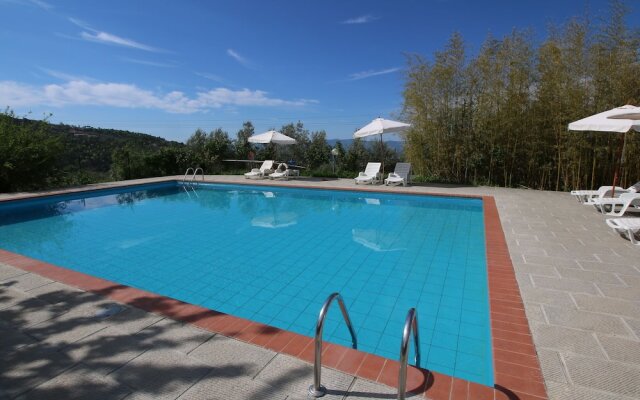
(194, 172)
(410, 325)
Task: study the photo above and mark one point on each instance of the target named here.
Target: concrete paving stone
(172, 335)
(7, 271)
(68, 327)
(547, 296)
(567, 340)
(524, 280)
(224, 353)
(26, 281)
(30, 366)
(586, 321)
(536, 269)
(13, 339)
(551, 366)
(604, 375)
(78, 383)
(634, 324)
(621, 349)
(364, 389)
(608, 306)
(57, 293)
(566, 285)
(609, 267)
(560, 391)
(10, 296)
(106, 350)
(534, 313)
(29, 312)
(631, 280)
(589, 276)
(620, 292)
(528, 250)
(133, 320)
(294, 376)
(162, 374)
(215, 387)
(553, 261)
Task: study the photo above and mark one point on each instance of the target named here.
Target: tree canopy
(500, 117)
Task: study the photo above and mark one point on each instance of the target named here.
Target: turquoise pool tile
(335, 241)
(444, 340)
(442, 356)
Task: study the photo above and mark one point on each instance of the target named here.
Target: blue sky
(166, 68)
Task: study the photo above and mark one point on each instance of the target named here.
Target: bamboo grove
(500, 117)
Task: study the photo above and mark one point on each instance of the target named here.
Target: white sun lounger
(587, 196)
(628, 227)
(400, 175)
(371, 174)
(283, 172)
(262, 172)
(617, 206)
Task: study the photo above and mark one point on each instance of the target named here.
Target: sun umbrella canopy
(271, 137)
(379, 126)
(609, 121)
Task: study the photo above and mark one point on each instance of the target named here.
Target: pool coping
(517, 372)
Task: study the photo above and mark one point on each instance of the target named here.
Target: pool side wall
(516, 366)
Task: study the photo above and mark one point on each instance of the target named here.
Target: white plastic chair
(628, 227)
(400, 175)
(617, 206)
(263, 171)
(281, 172)
(371, 174)
(588, 196)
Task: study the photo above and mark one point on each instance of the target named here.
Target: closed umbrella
(272, 137)
(379, 126)
(617, 120)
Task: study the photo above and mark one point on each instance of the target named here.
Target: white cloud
(79, 23)
(42, 4)
(363, 19)
(37, 3)
(109, 38)
(93, 35)
(64, 76)
(122, 95)
(149, 63)
(369, 73)
(236, 56)
(211, 77)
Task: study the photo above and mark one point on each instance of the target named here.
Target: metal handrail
(193, 178)
(317, 390)
(410, 324)
(184, 178)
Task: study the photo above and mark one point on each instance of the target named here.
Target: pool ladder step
(410, 325)
(194, 172)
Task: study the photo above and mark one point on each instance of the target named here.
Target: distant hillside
(397, 145)
(90, 149)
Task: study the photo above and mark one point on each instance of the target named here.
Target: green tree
(28, 153)
(356, 156)
(241, 144)
(318, 151)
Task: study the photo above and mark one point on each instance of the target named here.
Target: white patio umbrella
(617, 120)
(271, 137)
(380, 126)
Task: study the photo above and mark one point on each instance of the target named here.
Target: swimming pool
(273, 255)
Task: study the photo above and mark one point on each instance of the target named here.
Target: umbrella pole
(382, 154)
(620, 159)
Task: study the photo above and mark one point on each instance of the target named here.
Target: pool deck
(579, 283)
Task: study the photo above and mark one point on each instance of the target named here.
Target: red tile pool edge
(516, 367)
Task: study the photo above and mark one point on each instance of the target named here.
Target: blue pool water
(273, 255)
